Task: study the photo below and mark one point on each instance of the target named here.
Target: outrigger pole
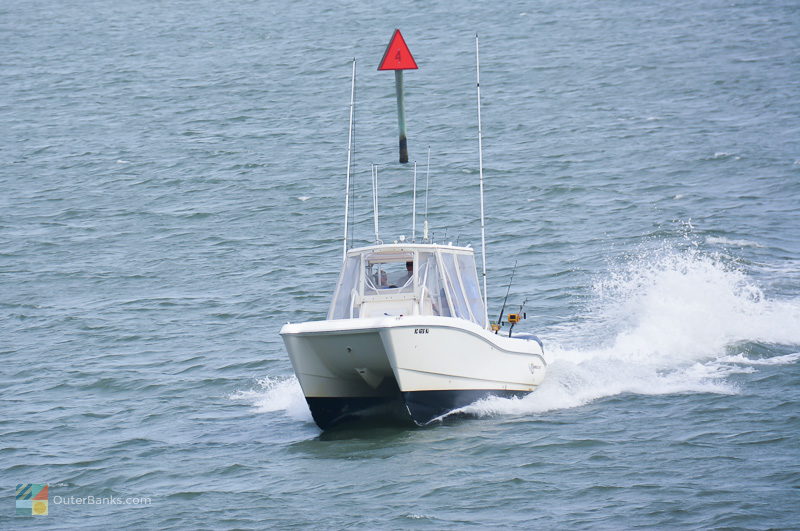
(349, 158)
(414, 207)
(427, 181)
(480, 169)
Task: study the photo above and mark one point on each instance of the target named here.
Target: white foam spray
(277, 394)
(665, 322)
(727, 242)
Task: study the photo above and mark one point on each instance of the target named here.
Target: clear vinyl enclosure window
(460, 306)
(469, 280)
(395, 274)
(432, 289)
(434, 282)
(343, 306)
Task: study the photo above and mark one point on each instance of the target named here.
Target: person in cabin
(403, 277)
(409, 270)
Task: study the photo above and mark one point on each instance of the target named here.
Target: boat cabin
(409, 279)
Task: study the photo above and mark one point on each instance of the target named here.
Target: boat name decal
(422, 331)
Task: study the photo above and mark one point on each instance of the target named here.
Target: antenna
(349, 158)
(480, 169)
(427, 181)
(375, 202)
(414, 207)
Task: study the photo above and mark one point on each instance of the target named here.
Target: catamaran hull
(417, 367)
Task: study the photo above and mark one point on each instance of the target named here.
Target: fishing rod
(508, 289)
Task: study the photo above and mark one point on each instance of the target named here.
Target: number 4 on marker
(397, 55)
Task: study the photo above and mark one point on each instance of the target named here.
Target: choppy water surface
(172, 178)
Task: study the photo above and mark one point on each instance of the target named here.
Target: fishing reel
(512, 319)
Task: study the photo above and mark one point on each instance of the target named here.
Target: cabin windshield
(435, 281)
(396, 275)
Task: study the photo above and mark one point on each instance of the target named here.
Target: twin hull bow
(419, 366)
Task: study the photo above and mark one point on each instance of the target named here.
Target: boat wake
(667, 322)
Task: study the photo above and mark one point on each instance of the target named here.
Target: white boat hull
(424, 366)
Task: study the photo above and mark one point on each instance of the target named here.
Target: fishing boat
(407, 332)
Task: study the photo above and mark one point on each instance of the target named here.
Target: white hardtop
(408, 278)
(404, 247)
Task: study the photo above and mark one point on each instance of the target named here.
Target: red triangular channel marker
(397, 55)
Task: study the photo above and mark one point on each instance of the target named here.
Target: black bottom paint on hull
(425, 406)
(330, 412)
(419, 407)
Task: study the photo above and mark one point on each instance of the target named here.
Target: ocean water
(171, 193)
